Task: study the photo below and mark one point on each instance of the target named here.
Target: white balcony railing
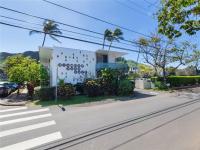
(100, 66)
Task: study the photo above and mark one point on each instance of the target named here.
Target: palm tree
(115, 36)
(107, 33)
(49, 28)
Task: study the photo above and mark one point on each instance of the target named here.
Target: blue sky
(133, 14)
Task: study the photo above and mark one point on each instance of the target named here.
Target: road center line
(23, 113)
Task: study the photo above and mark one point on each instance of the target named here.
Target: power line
(125, 5)
(68, 37)
(41, 18)
(95, 18)
(98, 19)
(76, 39)
(20, 20)
(61, 23)
(152, 4)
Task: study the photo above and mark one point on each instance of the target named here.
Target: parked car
(5, 90)
(13, 86)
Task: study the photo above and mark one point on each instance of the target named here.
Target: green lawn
(74, 100)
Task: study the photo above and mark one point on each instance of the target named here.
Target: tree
(49, 28)
(107, 34)
(21, 69)
(145, 70)
(188, 71)
(194, 59)
(159, 53)
(150, 53)
(177, 16)
(110, 36)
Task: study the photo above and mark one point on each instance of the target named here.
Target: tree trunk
(44, 39)
(110, 45)
(156, 71)
(196, 69)
(103, 42)
(164, 75)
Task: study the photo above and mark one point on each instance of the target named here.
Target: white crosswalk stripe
(12, 109)
(24, 119)
(40, 131)
(26, 128)
(34, 142)
(24, 113)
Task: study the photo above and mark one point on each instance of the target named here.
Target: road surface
(151, 122)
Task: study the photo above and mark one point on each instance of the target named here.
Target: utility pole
(56, 92)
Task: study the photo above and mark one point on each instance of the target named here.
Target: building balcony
(118, 66)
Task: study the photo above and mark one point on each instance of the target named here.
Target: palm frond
(33, 32)
(54, 38)
(55, 32)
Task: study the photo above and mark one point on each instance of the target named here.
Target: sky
(137, 15)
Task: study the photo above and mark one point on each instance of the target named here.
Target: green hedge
(125, 87)
(45, 93)
(176, 81)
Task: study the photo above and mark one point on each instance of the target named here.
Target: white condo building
(73, 65)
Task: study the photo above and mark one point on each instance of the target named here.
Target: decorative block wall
(73, 65)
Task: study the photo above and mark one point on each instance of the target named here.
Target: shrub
(45, 93)
(93, 88)
(177, 81)
(160, 85)
(109, 80)
(44, 76)
(65, 90)
(125, 87)
(79, 87)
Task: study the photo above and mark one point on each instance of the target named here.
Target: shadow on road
(135, 96)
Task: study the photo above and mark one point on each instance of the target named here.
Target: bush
(79, 87)
(109, 80)
(177, 81)
(125, 87)
(65, 90)
(44, 76)
(45, 93)
(160, 85)
(93, 88)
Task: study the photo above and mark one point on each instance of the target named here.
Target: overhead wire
(68, 37)
(98, 19)
(95, 18)
(69, 31)
(61, 23)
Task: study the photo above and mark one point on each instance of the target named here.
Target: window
(105, 58)
(102, 58)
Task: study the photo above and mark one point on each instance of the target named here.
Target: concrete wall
(142, 83)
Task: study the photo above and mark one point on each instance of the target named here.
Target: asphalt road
(174, 129)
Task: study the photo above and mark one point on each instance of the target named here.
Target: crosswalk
(21, 128)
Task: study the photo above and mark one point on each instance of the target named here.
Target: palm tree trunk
(103, 42)
(44, 39)
(110, 45)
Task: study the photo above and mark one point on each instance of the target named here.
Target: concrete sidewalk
(14, 99)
